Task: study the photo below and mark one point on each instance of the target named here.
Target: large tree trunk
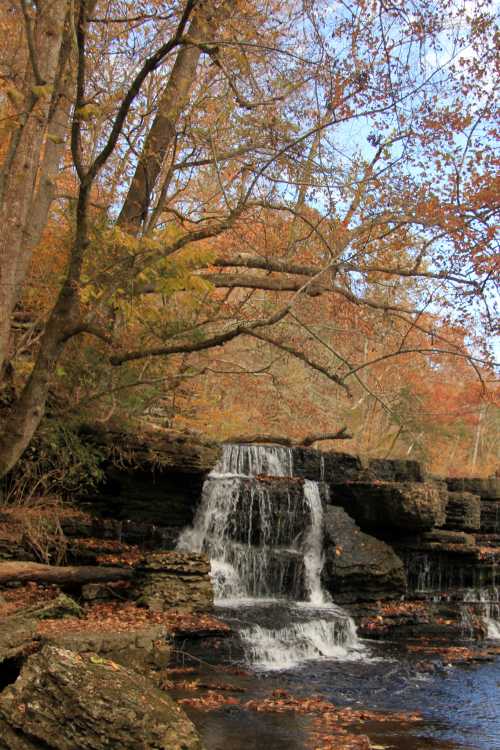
(162, 132)
(39, 573)
(20, 169)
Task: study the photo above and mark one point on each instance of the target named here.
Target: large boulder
(64, 701)
(388, 507)
(142, 649)
(357, 566)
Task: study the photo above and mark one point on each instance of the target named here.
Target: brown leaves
(210, 701)
(123, 617)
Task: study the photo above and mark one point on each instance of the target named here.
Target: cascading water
(263, 531)
(486, 603)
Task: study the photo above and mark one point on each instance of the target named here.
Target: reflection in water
(460, 705)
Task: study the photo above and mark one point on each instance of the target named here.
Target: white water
(486, 603)
(320, 638)
(255, 460)
(313, 546)
(265, 542)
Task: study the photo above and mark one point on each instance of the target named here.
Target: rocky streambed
(356, 606)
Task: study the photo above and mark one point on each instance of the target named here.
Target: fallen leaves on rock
(454, 654)
(23, 597)
(125, 616)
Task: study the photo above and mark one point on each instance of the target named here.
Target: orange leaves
(124, 617)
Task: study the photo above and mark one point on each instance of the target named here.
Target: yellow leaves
(43, 92)
(15, 96)
(88, 112)
(55, 138)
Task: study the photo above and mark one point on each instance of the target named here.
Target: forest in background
(273, 216)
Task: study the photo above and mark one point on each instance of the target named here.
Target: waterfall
(255, 460)
(262, 529)
(486, 603)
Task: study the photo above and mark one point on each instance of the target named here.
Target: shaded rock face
(179, 580)
(357, 566)
(326, 467)
(62, 701)
(153, 504)
(487, 488)
(395, 470)
(389, 507)
(490, 516)
(152, 482)
(463, 511)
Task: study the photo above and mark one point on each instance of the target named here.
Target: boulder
(63, 701)
(142, 649)
(174, 579)
(357, 566)
(387, 507)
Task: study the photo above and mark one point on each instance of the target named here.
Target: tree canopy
(280, 208)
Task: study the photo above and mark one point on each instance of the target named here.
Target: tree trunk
(27, 412)
(28, 571)
(306, 441)
(21, 165)
(162, 132)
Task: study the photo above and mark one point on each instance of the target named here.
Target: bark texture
(21, 166)
(28, 571)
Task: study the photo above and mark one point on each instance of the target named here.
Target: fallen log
(306, 441)
(39, 573)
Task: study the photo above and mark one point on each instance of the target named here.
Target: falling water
(486, 603)
(264, 538)
(255, 460)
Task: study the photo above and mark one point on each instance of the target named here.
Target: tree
(184, 136)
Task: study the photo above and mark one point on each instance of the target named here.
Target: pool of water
(460, 705)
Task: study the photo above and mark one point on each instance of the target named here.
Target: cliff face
(399, 530)
(153, 482)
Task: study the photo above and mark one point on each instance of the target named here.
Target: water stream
(263, 531)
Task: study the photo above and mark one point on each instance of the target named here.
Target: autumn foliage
(283, 213)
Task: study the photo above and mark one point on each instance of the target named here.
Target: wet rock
(274, 506)
(357, 566)
(389, 506)
(435, 567)
(490, 516)
(179, 580)
(62, 701)
(445, 537)
(463, 511)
